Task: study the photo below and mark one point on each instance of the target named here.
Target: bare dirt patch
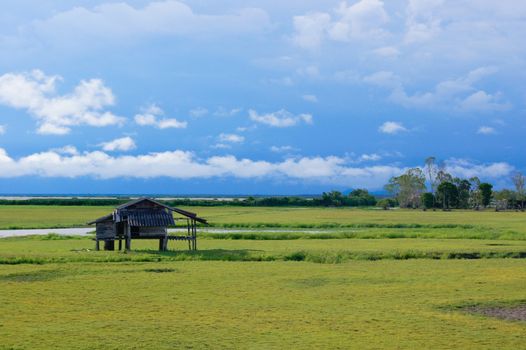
(511, 313)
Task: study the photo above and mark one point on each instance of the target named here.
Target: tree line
(358, 197)
(432, 187)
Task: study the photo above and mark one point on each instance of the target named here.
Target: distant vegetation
(433, 187)
(356, 198)
(428, 187)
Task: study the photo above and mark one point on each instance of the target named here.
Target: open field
(367, 281)
(42, 250)
(256, 217)
(259, 305)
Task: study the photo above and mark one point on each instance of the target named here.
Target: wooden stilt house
(144, 218)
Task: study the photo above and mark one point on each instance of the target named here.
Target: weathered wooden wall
(105, 229)
(148, 231)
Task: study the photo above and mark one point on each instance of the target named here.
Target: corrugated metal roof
(151, 215)
(147, 218)
(108, 217)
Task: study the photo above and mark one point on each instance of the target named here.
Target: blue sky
(257, 97)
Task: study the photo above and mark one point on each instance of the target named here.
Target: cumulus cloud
(460, 94)
(422, 21)
(486, 130)
(121, 20)
(466, 169)
(282, 149)
(280, 119)
(121, 144)
(231, 138)
(392, 128)
(224, 112)
(373, 157)
(149, 117)
(68, 150)
(362, 20)
(387, 51)
(198, 112)
(35, 92)
(310, 29)
(383, 79)
(185, 165)
(310, 98)
(481, 101)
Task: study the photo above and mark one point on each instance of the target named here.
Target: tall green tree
(333, 198)
(486, 191)
(408, 187)
(475, 199)
(464, 189)
(428, 200)
(447, 194)
(519, 180)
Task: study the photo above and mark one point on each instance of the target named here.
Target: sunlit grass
(367, 279)
(365, 305)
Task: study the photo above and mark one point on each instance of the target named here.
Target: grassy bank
(43, 250)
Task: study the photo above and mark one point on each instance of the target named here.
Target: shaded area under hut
(144, 218)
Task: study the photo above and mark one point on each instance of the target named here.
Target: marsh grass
(335, 251)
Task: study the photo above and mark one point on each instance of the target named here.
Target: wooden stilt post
(188, 235)
(109, 244)
(194, 228)
(128, 237)
(120, 243)
(97, 246)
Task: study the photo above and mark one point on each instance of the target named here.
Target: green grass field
(370, 280)
(54, 217)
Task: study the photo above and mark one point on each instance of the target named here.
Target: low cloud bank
(186, 165)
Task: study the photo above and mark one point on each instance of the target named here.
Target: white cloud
(223, 112)
(283, 149)
(68, 150)
(383, 79)
(481, 101)
(310, 98)
(422, 21)
(120, 20)
(149, 118)
(310, 71)
(185, 165)
(362, 20)
(280, 119)
(221, 146)
(458, 94)
(198, 112)
(2, 129)
(231, 138)
(392, 128)
(284, 81)
(387, 51)
(486, 130)
(310, 29)
(56, 114)
(373, 157)
(121, 144)
(466, 169)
